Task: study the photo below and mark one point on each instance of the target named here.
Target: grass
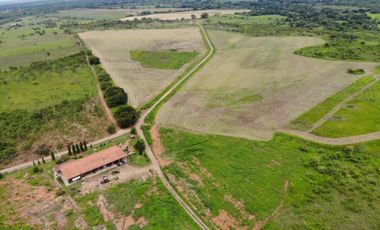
(48, 102)
(374, 16)
(158, 207)
(377, 70)
(359, 116)
(168, 59)
(33, 39)
(305, 121)
(322, 179)
(249, 20)
(138, 160)
(46, 84)
(90, 211)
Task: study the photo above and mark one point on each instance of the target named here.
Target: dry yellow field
(255, 85)
(141, 84)
(184, 15)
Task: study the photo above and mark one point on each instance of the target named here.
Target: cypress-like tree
(52, 156)
(43, 160)
(74, 150)
(85, 145)
(69, 150)
(78, 148)
(38, 162)
(81, 146)
(34, 164)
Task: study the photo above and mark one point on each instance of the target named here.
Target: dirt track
(339, 106)
(332, 141)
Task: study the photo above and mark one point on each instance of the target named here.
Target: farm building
(75, 170)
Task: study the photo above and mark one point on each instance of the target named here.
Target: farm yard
(113, 47)
(280, 184)
(33, 39)
(184, 15)
(248, 90)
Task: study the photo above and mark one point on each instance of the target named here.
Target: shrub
(104, 77)
(115, 96)
(111, 129)
(133, 131)
(60, 192)
(63, 159)
(126, 116)
(7, 151)
(94, 60)
(105, 85)
(356, 71)
(140, 146)
(43, 150)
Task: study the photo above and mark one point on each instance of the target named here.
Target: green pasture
(96, 14)
(305, 121)
(323, 180)
(168, 59)
(374, 16)
(33, 39)
(359, 116)
(46, 84)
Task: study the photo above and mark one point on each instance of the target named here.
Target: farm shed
(75, 170)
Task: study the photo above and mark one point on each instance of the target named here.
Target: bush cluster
(126, 116)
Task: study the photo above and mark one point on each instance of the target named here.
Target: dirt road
(155, 164)
(332, 141)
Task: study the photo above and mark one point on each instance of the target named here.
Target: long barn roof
(76, 168)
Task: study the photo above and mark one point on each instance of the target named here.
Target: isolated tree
(140, 146)
(43, 160)
(1, 176)
(193, 16)
(111, 129)
(204, 15)
(38, 162)
(52, 156)
(34, 164)
(85, 145)
(133, 131)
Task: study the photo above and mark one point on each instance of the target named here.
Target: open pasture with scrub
(280, 184)
(184, 15)
(47, 105)
(254, 86)
(140, 83)
(33, 39)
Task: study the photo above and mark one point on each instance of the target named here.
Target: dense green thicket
(115, 96)
(126, 116)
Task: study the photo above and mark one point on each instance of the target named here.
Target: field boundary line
(155, 164)
(340, 105)
(332, 141)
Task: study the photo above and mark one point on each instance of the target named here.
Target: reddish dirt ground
(158, 148)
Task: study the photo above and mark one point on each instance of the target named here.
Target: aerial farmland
(119, 115)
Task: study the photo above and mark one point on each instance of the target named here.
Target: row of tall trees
(77, 148)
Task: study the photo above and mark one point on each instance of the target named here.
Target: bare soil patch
(36, 206)
(141, 84)
(158, 148)
(225, 221)
(254, 86)
(184, 15)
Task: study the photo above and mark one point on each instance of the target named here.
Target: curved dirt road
(332, 141)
